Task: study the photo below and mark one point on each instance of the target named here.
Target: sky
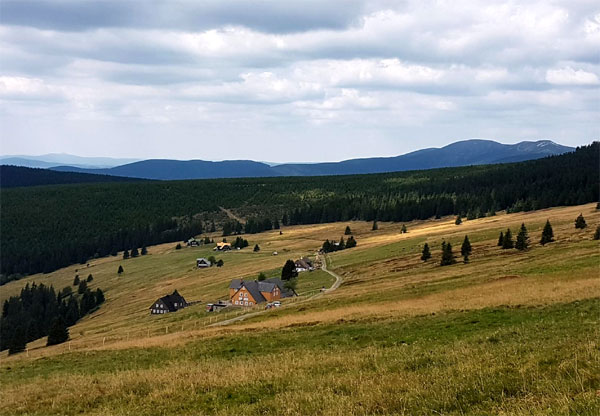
(293, 80)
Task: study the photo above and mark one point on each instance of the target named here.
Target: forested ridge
(45, 228)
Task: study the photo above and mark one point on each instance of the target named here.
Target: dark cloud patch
(275, 16)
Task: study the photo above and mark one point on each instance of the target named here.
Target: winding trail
(334, 286)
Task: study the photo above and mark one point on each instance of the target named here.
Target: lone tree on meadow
(58, 332)
(522, 239)
(447, 255)
(458, 220)
(76, 280)
(375, 227)
(90, 278)
(262, 276)
(348, 230)
(501, 239)
(508, 240)
(403, 230)
(120, 270)
(597, 233)
(178, 246)
(465, 249)
(289, 270)
(426, 254)
(547, 234)
(220, 263)
(125, 254)
(256, 248)
(580, 222)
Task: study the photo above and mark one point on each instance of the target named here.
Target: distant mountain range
(61, 159)
(462, 153)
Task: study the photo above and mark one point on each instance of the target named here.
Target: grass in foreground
(490, 361)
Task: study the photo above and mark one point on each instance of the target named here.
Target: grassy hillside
(509, 333)
(45, 228)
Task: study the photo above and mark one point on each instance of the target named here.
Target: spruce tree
(18, 341)
(120, 270)
(220, 263)
(375, 227)
(465, 249)
(125, 254)
(351, 242)
(597, 233)
(580, 222)
(134, 252)
(90, 278)
(522, 239)
(326, 246)
(447, 255)
(508, 240)
(403, 230)
(261, 277)
(82, 287)
(178, 246)
(342, 244)
(99, 296)
(144, 251)
(426, 254)
(501, 239)
(458, 220)
(76, 280)
(348, 231)
(276, 225)
(289, 270)
(547, 234)
(58, 332)
(256, 248)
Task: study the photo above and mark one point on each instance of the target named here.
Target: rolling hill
(463, 153)
(17, 176)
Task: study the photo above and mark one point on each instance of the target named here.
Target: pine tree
(76, 280)
(403, 230)
(375, 227)
(125, 254)
(289, 270)
(348, 231)
(580, 222)
(547, 234)
(465, 249)
(447, 255)
(90, 278)
(501, 239)
(256, 248)
(458, 220)
(18, 341)
(508, 240)
(134, 252)
(522, 239)
(120, 270)
(426, 254)
(99, 296)
(58, 333)
(351, 242)
(597, 233)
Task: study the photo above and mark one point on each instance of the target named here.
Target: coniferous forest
(48, 227)
(39, 310)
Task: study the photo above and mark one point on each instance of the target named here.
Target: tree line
(45, 228)
(39, 311)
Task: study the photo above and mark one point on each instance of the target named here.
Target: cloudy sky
(293, 80)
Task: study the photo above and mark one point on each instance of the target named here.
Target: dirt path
(334, 286)
(232, 215)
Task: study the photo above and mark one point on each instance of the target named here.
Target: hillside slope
(18, 176)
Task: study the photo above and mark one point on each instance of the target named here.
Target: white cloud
(570, 76)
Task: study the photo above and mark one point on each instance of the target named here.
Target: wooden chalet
(202, 263)
(222, 247)
(168, 303)
(253, 292)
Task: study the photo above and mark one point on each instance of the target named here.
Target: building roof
(255, 287)
(202, 259)
(170, 300)
(304, 262)
(221, 245)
